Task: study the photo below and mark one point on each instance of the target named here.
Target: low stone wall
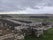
(6, 36)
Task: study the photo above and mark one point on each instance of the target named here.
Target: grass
(48, 35)
(42, 20)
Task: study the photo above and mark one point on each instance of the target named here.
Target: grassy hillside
(48, 35)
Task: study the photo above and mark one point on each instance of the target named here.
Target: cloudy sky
(26, 6)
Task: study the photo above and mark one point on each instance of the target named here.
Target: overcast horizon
(27, 6)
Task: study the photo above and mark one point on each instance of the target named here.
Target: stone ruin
(19, 32)
(37, 28)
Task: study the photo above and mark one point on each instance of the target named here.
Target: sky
(27, 6)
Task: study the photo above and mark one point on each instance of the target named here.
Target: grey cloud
(16, 5)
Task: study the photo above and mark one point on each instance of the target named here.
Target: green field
(48, 35)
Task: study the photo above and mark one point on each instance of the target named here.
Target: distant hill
(29, 15)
